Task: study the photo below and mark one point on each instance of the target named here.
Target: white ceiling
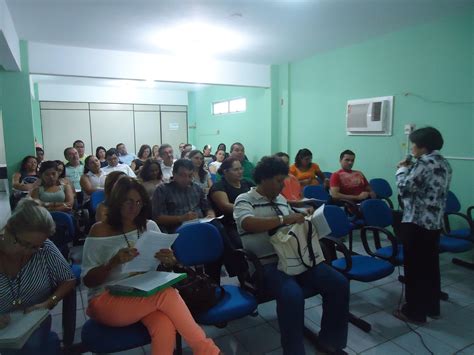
(272, 31)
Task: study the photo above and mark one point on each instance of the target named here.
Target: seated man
(237, 150)
(257, 213)
(114, 165)
(348, 184)
(124, 157)
(166, 154)
(74, 167)
(81, 150)
(183, 200)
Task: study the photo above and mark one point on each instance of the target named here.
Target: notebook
(20, 328)
(146, 284)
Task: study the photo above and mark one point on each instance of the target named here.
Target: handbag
(198, 290)
(297, 247)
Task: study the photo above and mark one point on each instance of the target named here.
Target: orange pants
(163, 314)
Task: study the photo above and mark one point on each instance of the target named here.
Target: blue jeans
(38, 343)
(290, 292)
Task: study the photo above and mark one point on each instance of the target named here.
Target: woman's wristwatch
(53, 301)
(280, 217)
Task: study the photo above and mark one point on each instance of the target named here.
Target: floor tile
(386, 325)
(357, 286)
(386, 348)
(313, 301)
(314, 314)
(229, 345)
(382, 297)
(462, 297)
(244, 323)
(214, 332)
(267, 310)
(136, 351)
(358, 340)
(469, 350)
(359, 306)
(412, 343)
(260, 339)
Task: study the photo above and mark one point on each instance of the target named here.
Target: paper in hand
(320, 222)
(147, 246)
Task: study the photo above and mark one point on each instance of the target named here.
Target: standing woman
(108, 247)
(33, 273)
(306, 171)
(423, 187)
(143, 154)
(52, 194)
(200, 176)
(100, 154)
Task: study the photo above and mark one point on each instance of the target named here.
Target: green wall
(252, 128)
(36, 113)
(433, 60)
(17, 114)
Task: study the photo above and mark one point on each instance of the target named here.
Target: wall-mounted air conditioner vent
(370, 116)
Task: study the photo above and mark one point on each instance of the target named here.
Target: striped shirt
(37, 279)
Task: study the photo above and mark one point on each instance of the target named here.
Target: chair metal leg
(360, 323)
(463, 263)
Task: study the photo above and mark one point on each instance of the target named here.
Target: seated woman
(143, 154)
(23, 182)
(257, 213)
(63, 180)
(215, 165)
(100, 154)
(110, 180)
(208, 157)
(151, 176)
(223, 194)
(223, 147)
(200, 175)
(52, 194)
(108, 247)
(155, 152)
(306, 171)
(93, 178)
(33, 273)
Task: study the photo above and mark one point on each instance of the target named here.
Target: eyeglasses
(133, 203)
(27, 245)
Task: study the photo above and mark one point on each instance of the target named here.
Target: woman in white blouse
(93, 178)
(108, 247)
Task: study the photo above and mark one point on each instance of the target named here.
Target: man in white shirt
(123, 155)
(114, 165)
(166, 153)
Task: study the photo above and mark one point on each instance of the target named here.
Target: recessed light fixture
(198, 39)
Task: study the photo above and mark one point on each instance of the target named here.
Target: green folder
(144, 285)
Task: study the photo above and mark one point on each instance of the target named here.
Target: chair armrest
(388, 234)
(463, 216)
(252, 283)
(341, 248)
(69, 318)
(469, 212)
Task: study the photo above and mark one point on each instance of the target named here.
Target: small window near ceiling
(219, 108)
(230, 106)
(238, 105)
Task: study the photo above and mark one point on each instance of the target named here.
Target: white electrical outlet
(409, 127)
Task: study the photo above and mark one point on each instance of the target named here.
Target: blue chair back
(213, 178)
(96, 198)
(316, 191)
(198, 243)
(381, 187)
(376, 213)
(64, 220)
(337, 221)
(327, 174)
(452, 203)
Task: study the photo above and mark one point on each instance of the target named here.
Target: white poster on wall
(173, 126)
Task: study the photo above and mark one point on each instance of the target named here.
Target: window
(230, 106)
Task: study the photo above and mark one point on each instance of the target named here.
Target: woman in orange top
(306, 171)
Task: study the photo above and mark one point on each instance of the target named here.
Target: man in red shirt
(348, 184)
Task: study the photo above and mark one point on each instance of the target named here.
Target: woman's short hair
(268, 168)
(117, 198)
(99, 148)
(46, 165)
(226, 165)
(142, 150)
(24, 161)
(145, 173)
(63, 174)
(427, 137)
(302, 153)
(29, 216)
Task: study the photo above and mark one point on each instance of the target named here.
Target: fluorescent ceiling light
(198, 39)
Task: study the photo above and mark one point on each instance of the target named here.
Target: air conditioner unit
(370, 116)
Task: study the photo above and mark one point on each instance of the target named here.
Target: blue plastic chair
(364, 268)
(317, 193)
(201, 243)
(96, 198)
(378, 217)
(382, 189)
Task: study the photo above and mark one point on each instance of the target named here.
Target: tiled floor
(374, 302)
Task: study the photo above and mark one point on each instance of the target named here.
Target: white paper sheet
(148, 245)
(147, 281)
(320, 222)
(21, 325)
(202, 220)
